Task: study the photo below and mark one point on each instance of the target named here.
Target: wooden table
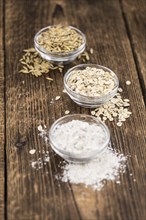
(115, 29)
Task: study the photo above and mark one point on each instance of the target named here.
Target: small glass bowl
(89, 101)
(84, 157)
(59, 57)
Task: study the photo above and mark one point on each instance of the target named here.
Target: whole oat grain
(34, 64)
(60, 38)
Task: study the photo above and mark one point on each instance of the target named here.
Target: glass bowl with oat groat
(60, 44)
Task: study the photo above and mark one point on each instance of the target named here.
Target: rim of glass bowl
(94, 98)
(81, 48)
(71, 117)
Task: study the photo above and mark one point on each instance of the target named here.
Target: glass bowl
(59, 57)
(85, 156)
(89, 101)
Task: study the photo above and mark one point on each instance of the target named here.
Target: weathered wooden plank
(2, 132)
(134, 12)
(36, 194)
(31, 194)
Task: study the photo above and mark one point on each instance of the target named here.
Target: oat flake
(117, 108)
(91, 81)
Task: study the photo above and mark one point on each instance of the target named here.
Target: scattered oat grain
(48, 78)
(32, 151)
(33, 63)
(84, 56)
(91, 50)
(120, 90)
(128, 82)
(57, 98)
(67, 112)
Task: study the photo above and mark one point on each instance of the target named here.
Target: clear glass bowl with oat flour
(90, 85)
(79, 138)
(56, 54)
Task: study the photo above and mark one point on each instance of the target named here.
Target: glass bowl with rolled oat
(60, 44)
(90, 85)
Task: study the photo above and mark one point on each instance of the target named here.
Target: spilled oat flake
(116, 108)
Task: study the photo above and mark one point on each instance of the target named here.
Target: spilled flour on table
(43, 132)
(41, 161)
(106, 166)
(44, 156)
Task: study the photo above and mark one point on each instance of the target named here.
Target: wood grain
(2, 131)
(36, 194)
(134, 12)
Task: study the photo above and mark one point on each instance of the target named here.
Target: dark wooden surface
(2, 129)
(134, 18)
(116, 31)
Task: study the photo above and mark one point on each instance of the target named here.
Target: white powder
(44, 156)
(43, 132)
(79, 137)
(38, 164)
(106, 166)
(41, 161)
